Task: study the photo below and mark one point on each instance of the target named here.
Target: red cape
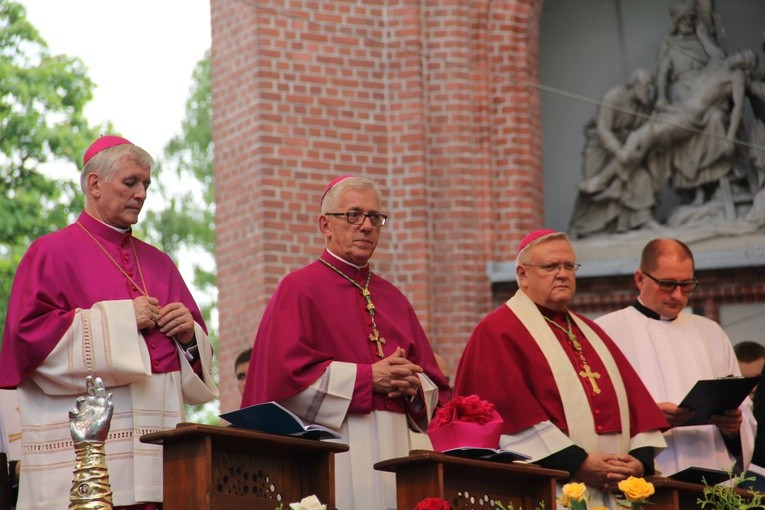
(503, 364)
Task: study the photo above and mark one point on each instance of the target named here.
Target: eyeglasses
(669, 286)
(554, 268)
(357, 217)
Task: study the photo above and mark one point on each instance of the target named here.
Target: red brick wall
(431, 99)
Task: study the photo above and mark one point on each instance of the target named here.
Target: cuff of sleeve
(645, 455)
(362, 390)
(569, 459)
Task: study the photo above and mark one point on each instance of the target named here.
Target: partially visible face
(751, 368)
(669, 267)
(686, 23)
(118, 201)
(241, 375)
(354, 243)
(553, 290)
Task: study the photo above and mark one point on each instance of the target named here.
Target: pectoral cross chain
(586, 372)
(374, 337)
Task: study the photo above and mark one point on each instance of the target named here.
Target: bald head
(657, 248)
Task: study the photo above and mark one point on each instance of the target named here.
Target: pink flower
(433, 504)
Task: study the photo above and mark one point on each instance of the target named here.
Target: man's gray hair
(357, 183)
(105, 162)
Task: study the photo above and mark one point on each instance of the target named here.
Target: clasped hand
(396, 375)
(173, 320)
(604, 470)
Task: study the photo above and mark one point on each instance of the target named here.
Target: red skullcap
(103, 143)
(533, 236)
(332, 184)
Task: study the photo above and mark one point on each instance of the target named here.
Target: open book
(494, 454)
(275, 419)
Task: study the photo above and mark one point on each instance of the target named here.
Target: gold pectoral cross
(375, 337)
(587, 373)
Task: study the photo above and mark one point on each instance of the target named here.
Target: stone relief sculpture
(89, 423)
(687, 142)
(618, 193)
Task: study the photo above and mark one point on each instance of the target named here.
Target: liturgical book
(713, 396)
(493, 454)
(275, 419)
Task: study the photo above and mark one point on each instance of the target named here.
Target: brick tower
(436, 101)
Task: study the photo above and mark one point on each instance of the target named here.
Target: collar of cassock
(640, 307)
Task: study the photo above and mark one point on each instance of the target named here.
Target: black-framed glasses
(669, 286)
(357, 217)
(569, 267)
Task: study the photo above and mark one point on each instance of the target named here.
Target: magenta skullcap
(332, 184)
(103, 143)
(535, 236)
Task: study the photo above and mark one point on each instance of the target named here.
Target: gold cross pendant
(375, 337)
(587, 373)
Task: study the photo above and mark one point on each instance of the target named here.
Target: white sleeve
(102, 341)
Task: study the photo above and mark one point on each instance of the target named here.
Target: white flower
(309, 503)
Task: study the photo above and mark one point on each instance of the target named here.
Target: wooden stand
(470, 484)
(226, 468)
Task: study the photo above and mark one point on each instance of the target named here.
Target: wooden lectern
(226, 468)
(470, 483)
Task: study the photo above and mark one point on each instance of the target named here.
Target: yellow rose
(636, 489)
(599, 508)
(573, 492)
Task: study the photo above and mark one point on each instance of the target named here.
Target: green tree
(184, 227)
(42, 99)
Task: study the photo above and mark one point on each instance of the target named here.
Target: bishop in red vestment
(568, 397)
(91, 299)
(341, 346)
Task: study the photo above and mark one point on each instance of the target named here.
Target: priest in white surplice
(671, 349)
(90, 299)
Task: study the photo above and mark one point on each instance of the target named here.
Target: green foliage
(540, 506)
(42, 100)
(184, 180)
(724, 497)
(184, 227)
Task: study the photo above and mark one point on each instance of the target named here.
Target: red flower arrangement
(465, 421)
(470, 408)
(433, 504)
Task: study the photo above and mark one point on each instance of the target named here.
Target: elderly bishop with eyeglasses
(341, 346)
(568, 397)
(671, 349)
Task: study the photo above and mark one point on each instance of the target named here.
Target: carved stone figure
(89, 423)
(617, 194)
(701, 158)
(689, 142)
(720, 82)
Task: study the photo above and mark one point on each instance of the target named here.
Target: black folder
(713, 396)
(701, 476)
